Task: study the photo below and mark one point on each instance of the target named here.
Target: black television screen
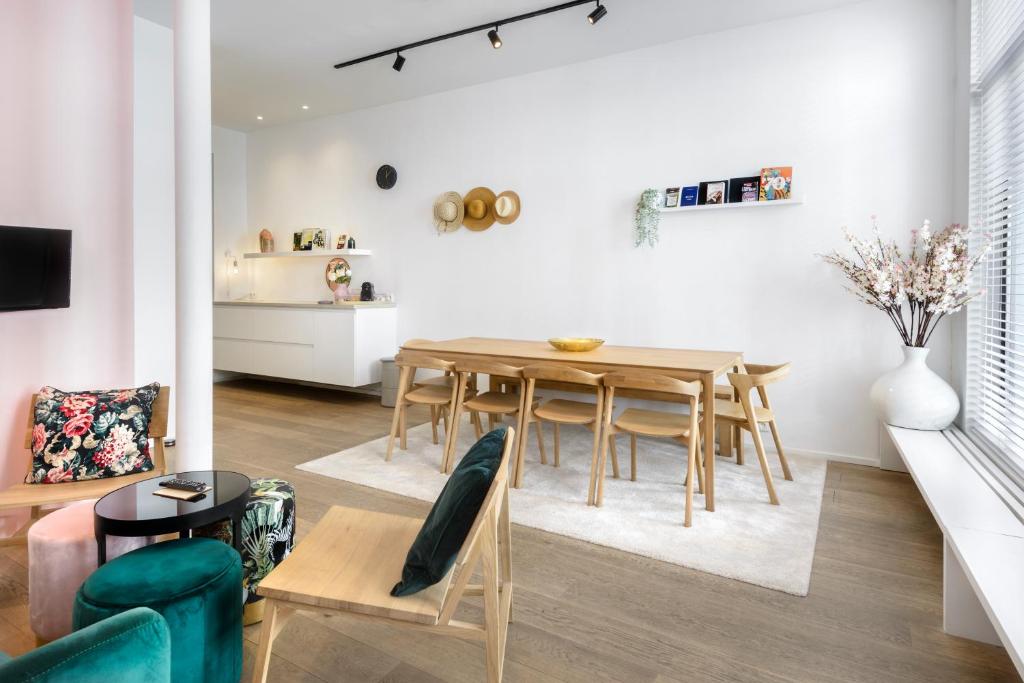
(35, 268)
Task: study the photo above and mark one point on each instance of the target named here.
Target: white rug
(746, 538)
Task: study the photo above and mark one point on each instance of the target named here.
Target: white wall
(153, 211)
(230, 227)
(858, 100)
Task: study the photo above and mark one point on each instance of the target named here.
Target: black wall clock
(387, 176)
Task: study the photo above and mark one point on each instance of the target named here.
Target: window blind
(994, 405)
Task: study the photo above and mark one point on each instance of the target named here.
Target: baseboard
(749, 452)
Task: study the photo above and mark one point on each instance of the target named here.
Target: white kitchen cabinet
(340, 344)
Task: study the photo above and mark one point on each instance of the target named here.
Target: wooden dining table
(685, 364)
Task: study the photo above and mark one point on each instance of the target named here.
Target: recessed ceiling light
(259, 118)
(305, 106)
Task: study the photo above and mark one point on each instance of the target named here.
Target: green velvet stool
(195, 584)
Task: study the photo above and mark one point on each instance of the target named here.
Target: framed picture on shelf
(303, 240)
(321, 239)
(744, 189)
(688, 196)
(776, 183)
(712, 192)
(342, 241)
(671, 197)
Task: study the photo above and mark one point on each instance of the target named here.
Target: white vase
(913, 396)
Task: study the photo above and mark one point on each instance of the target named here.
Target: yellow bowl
(575, 343)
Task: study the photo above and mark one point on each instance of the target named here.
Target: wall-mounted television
(35, 268)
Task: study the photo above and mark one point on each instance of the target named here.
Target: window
(994, 407)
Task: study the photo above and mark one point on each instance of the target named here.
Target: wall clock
(387, 176)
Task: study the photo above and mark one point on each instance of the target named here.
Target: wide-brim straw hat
(448, 211)
(506, 207)
(479, 203)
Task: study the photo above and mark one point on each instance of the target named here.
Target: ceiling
(272, 57)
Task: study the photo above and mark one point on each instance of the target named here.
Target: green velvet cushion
(436, 546)
(131, 646)
(196, 584)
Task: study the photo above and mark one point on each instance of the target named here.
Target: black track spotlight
(399, 62)
(597, 14)
(494, 37)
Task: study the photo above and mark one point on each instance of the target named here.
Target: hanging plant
(647, 218)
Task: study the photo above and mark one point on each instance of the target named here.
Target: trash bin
(388, 382)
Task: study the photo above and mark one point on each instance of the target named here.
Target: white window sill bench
(983, 554)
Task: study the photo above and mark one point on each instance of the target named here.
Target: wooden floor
(585, 613)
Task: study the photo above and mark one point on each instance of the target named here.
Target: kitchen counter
(284, 303)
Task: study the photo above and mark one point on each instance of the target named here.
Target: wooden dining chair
(745, 415)
(559, 411)
(34, 496)
(641, 422)
(438, 397)
(496, 403)
(445, 380)
(347, 564)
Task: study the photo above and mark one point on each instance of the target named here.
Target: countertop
(345, 306)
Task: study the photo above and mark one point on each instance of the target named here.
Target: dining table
(685, 364)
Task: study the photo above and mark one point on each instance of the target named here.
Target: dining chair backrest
(559, 373)
(758, 376)
(644, 381)
(426, 362)
(486, 367)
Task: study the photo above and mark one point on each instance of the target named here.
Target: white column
(194, 236)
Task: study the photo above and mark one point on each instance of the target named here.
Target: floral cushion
(91, 434)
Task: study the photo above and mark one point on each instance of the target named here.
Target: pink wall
(66, 162)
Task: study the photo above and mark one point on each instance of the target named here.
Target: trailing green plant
(647, 218)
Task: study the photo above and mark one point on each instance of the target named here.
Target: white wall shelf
(325, 253)
(734, 205)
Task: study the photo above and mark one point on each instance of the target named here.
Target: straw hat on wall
(479, 203)
(448, 212)
(506, 207)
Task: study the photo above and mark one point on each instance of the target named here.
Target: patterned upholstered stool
(61, 554)
(268, 530)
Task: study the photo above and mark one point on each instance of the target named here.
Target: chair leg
(632, 457)
(738, 436)
(759, 447)
(478, 425)
(700, 469)
(492, 421)
(557, 439)
(433, 423)
(540, 443)
(691, 465)
(402, 431)
(615, 459)
(403, 382)
(594, 458)
(609, 437)
(782, 456)
(495, 627)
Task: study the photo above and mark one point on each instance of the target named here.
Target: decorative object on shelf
(575, 344)
(387, 176)
(479, 209)
(321, 239)
(449, 212)
(688, 196)
(266, 241)
(934, 281)
(366, 292)
(712, 192)
(671, 197)
(303, 240)
(744, 189)
(647, 217)
(776, 183)
(342, 241)
(506, 207)
(338, 276)
(351, 242)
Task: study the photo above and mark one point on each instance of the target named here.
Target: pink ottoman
(61, 554)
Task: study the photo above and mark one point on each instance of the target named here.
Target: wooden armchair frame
(34, 496)
(348, 562)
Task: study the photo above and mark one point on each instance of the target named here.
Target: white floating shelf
(319, 253)
(734, 205)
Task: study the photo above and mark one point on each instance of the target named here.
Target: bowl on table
(575, 343)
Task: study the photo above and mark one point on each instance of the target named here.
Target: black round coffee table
(135, 511)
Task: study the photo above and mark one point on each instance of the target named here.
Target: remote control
(184, 485)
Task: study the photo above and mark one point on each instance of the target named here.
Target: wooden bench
(34, 496)
(351, 559)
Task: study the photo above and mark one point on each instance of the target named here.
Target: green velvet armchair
(130, 646)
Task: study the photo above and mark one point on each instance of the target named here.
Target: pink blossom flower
(38, 437)
(57, 475)
(77, 403)
(78, 425)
